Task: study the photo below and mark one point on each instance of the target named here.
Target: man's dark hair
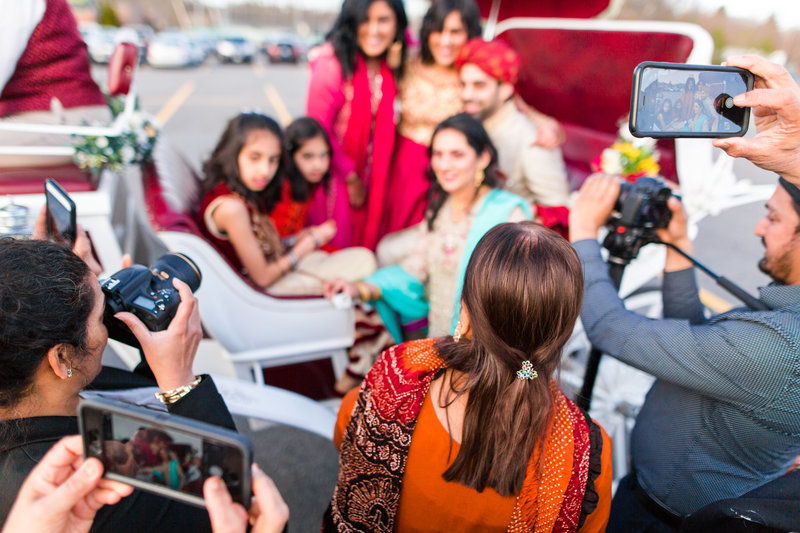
(45, 300)
(794, 195)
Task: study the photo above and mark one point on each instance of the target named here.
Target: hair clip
(527, 371)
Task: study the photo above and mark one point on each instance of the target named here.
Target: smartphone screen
(172, 457)
(61, 217)
(677, 100)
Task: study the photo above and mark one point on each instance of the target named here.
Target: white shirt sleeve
(18, 19)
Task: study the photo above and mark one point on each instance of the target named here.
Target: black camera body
(640, 209)
(148, 293)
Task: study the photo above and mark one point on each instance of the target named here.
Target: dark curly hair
(45, 299)
(433, 21)
(223, 165)
(297, 133)
(479, 140)
(343, 33)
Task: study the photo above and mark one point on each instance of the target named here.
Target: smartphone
(162, 453)
(60, 212)
(679, 100)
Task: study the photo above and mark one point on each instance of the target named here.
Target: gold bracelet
(172, 396)
(363, 291)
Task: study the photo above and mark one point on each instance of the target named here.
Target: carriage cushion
(30, 180)
(586, 85)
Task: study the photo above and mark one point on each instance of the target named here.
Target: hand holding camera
(637, 214)
(593, 206)
(170, 353)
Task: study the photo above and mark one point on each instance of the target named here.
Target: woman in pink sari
(352, 93)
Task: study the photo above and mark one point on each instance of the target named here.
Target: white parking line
(275, 100)
(258, 68)
(175, 101)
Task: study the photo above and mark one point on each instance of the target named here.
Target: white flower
(128, 153)
(101, 142)
(625, 133)
(610, 162)
(648, 144)
(137, 121)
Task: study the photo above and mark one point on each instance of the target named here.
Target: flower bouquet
(134, 145)
(629, 156)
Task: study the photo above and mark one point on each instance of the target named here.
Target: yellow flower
(627, 150)
(649, 166)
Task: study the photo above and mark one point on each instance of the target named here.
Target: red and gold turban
(495, 58)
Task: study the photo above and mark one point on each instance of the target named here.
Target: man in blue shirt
(723, 416)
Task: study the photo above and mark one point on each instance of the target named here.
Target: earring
(457, 333)
(394, 56)
(69, 372)
(479, 177)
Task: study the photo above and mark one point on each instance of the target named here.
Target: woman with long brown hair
(472, 428)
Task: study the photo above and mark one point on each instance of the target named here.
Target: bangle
(289, 242)
(293, 259)
(365, 293)
(172, 396)
(317, 244)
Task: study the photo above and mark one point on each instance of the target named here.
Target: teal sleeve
(402, 299)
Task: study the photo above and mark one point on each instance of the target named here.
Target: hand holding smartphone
(679, 100)
(163, 453)
(61, 217)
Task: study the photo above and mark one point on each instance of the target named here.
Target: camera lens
(179, 266)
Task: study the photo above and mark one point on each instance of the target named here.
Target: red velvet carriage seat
(583, 79)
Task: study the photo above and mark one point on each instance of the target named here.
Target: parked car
(100, 41)
(284, 51)
(173, 49)
(235, 50)
(204, 40)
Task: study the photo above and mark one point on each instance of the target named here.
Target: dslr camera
(641, 208)
(148, 293)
